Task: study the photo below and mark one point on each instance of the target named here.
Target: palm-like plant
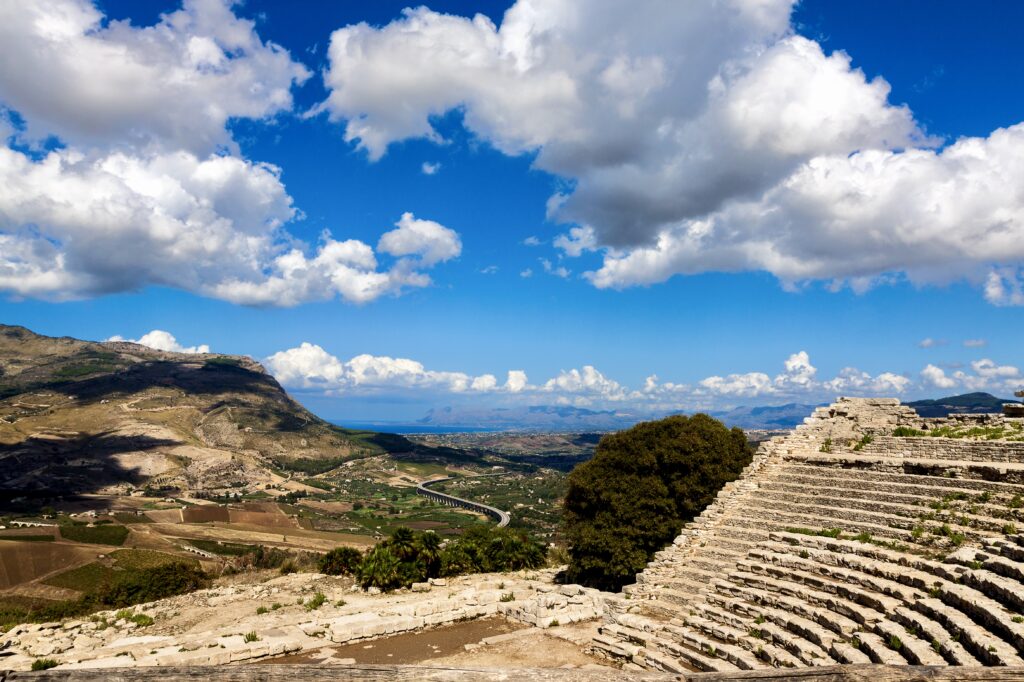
(380, 569)
(429, 550)
(403, 543)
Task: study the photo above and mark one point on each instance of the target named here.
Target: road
(502, 517)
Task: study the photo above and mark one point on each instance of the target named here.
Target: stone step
(878, 650)
(767, 590)
(862, 606)
(777, 520)
(933, 631)
(877, 591)
(915, 650)
(899, 493)
(906, 512)
(759, 643)
(776, 626)
(968, 468)
(985, 647)
(906, 569)
(740, 600)
(890, 481)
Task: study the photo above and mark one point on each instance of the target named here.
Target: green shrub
(316, 602)
(864, 441)
(261, 610)
(44, 664)
(642, 485)
(137, 587)
(907, 432)
(251, 637)
(408, 557)
(341, 561)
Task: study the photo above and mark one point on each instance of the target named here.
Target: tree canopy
(633, 497)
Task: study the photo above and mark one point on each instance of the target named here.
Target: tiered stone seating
(827, 551)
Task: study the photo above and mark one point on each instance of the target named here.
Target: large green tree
(633, 497)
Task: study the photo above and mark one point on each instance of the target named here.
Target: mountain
(970, 403)
(78, 416)
(532, 418)
(766, 417)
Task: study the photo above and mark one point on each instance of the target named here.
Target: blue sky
(803, 212)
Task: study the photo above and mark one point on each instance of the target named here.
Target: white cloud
(430, 168)
(556, 270)
(936, 376)
(698, 137)
(74, 225)
(578, 240)
(1005, 286)
(799, 372)
(430, 241)
(588, 382)
(747, 385)
(532, 241)
(161, 340)
(310, 367)
(146, 187)
(931, 343)
(516, 381)
(852, 381)
(526, 274)
(177, 83)
(489, 270)
(975, 343)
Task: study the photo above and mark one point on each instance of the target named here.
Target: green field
(222, 548)
(143, 559)
(27, 538)
(83, 578)
(95, 535)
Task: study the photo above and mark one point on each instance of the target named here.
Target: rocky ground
(513, 619)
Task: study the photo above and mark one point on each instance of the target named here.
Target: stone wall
(958, 449)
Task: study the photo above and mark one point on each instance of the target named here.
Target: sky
(647, 207)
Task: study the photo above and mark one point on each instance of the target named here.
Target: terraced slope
(842, 543)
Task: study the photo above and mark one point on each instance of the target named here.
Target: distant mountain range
(970, 403)
(768, 417)
(532, 418)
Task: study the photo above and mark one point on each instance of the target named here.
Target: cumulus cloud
(430, 168)
(310, 367)
(73, 225)
(532, 241)
(586, 383)
(177, 83)
(145, 185)
(431, 242)
(161, 340)
(929, 342)
(936, 376)
(698, 137)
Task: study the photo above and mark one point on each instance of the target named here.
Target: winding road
(502, 517)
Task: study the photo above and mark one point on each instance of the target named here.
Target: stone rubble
(107, 640)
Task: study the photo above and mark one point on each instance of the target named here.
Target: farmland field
(22, 562)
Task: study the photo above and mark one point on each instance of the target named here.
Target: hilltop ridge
(80, 416)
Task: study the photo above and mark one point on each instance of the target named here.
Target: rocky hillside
(78, 416)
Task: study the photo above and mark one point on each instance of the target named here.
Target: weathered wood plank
(408, 673)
